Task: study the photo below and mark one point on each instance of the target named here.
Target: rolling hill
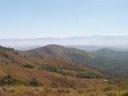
(49, 71)
(61, 53)
(53, 67)
(111, 62)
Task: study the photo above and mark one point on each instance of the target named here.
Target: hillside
(53, 74)
(112, 62)
(50, 72)
(61, 53)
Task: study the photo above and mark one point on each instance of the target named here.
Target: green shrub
(34, 82)
(52, 69)
(83, 74)
(11, 80)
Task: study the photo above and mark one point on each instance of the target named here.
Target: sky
(63, 18)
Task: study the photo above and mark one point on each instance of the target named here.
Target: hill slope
(112, 62)
(61, 52)
(51, 72)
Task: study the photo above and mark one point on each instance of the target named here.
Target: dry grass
(41, 91)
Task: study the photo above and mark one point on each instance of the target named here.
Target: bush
(83, 74)
(34, 82)
(11, 80)
(28, 66)
(52, 69)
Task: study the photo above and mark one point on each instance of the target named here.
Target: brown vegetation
(22, 75)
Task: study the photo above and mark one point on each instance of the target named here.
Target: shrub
(52, 69)
(11, 80)
(83, 74)
(28, 66)
(34, 82)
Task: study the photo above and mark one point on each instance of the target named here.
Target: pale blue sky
(64, 18)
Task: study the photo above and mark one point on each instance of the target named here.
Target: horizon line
(50, 37)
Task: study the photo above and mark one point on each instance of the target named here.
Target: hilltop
(61, 53)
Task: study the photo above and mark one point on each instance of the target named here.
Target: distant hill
(96, 48)
(61, 52)
(114, 63)
(110, 61)
(85, 48)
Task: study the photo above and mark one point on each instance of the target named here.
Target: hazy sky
(64, 18)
